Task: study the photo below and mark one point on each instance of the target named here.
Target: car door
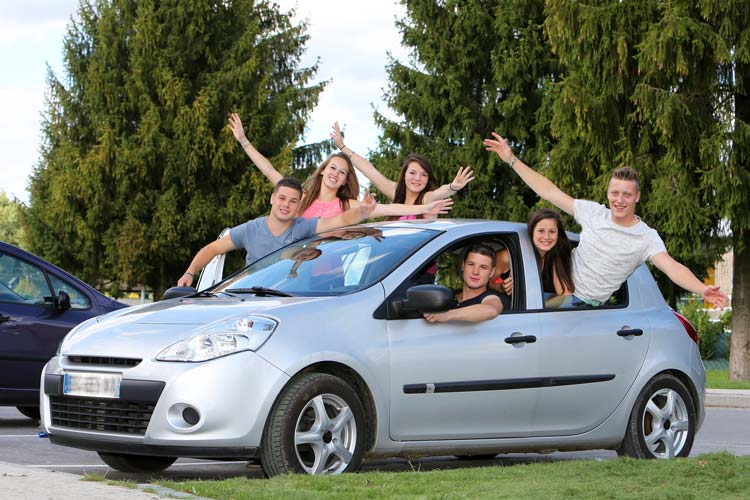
(30, 326)
(595, 354)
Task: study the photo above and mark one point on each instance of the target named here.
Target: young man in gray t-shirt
(614, 241)
(279, 228)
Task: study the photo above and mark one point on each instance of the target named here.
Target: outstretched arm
(540, 184)
(354, 215)
(685, 278)
(439, 207)
(490, 307)
(204, 256)
(258, 159)
(381, 182)
(462, 178)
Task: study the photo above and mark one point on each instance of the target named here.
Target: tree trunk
(739, 354)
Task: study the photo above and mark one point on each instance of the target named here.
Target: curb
(728, 398)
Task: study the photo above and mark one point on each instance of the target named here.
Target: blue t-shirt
(255, 237)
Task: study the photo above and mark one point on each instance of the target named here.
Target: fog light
(191, 415)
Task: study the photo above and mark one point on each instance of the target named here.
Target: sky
(351, 38)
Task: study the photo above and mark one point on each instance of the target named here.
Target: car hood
(145, 330)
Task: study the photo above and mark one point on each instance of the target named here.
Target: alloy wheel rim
(325, 435)
(665, 423)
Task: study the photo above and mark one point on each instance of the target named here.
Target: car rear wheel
(136, 463)
(662, 422)
(315, 427)
(29, 411)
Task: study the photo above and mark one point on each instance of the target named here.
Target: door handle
(4, 318)
(518, 339)
(627, 332)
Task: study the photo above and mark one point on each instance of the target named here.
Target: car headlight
(246, 333)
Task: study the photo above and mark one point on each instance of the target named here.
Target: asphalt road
(725, 429)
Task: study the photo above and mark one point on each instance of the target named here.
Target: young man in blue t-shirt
(280, 227)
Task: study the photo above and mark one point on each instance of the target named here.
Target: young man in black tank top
(477, 303)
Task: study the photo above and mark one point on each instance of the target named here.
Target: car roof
(453, 224)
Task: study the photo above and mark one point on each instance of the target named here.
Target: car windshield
(331, 263)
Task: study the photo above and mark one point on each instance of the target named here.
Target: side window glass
(78, 299)
(21, 281)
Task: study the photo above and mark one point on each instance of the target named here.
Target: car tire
(136, 463)
(316, 426)
(662, 422)
(31, 412)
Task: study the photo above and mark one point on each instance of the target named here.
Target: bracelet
(244, 143)
(512, 162)
(190, 274)
(450, 186)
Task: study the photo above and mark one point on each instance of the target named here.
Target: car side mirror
(429, 298)
(178, 291)
(61, 301)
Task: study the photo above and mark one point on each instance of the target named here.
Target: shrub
(708, 331)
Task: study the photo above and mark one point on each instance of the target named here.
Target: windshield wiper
(260, 291)
(209, 293)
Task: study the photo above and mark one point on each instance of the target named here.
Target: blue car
(39, 304)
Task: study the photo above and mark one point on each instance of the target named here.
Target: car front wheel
(315, 427)
(136, 463)
(662, 422)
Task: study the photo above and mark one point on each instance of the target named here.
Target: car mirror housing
(61, 301)
(178, 291)
(429, 298)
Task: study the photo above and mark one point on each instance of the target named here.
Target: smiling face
(415, 177)
(335, 173)
(285, 203)
(623, 195)
(477, 270)
(544, 236)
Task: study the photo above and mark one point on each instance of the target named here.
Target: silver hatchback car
(316, 356)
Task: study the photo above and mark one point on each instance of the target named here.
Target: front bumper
(229, 399)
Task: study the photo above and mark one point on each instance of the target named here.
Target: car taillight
(689, 329)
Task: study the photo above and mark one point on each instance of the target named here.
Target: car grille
(103, 361)
(104, 415)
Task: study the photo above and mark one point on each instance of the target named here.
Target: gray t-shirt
(255, 237)
(608, 253)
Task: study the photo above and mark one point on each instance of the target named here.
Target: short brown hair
(627, 174)
(289, 182)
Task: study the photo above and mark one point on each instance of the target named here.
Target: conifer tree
(138, 169)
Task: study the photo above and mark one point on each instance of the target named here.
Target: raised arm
(462, 178)
(381, 182)
(258, 159)
(354, 215)
(490, 307)
(204, 256)
(542, 186)
(685, 278)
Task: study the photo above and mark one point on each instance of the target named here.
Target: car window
(22, 282)
(78, 299)
(331, 263)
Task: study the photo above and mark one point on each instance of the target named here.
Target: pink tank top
(323, 209)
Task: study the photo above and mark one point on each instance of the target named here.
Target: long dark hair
(400, 194)
(559, 256)
(348, 191)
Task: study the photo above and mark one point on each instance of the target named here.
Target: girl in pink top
(333, 188)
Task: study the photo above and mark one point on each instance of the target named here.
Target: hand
(714, 296)
(439, 207)
(236, 125)
(507, 285)
(367, 205)
(464, 176)
(336, 136)
(440, 317)
(500, 146)
(185, 280)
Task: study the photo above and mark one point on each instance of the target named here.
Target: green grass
(715, 476)
(719, 379)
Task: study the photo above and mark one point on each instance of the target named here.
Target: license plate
(95, 385)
